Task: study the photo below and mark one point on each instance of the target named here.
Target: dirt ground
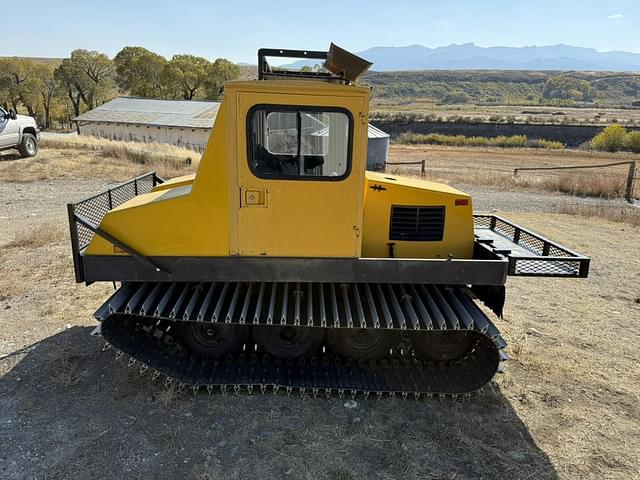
(566, 407)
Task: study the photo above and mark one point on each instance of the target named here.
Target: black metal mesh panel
(528, 253)
(93, 209)
(122, 193)
(505, 229)
(532, 243)
(547, 267)
(481, 221)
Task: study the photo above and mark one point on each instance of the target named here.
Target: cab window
(299, 142)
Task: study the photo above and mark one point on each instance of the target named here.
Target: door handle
(254, 197)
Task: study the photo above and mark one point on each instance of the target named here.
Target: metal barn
(177, 122)
(185, 123)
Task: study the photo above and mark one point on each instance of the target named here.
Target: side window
(299, 143)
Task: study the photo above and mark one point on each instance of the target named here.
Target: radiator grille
(423, 224)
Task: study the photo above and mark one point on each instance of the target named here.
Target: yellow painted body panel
(175, 182)
(209, 214)
(457, 241)
(191, 219)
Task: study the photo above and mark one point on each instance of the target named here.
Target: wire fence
(422, 164)
(631, 175)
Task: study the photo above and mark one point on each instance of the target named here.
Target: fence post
(422, 169)
(630, 181)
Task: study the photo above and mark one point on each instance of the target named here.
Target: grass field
(567, 406)
(495, 166)
(423, 109)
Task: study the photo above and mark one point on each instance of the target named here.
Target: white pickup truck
(19, 131)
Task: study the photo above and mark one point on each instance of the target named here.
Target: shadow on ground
(9, 155)
(69, 411)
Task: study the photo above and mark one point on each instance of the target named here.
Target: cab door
(300, 175)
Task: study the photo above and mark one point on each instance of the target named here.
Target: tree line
(55, 93)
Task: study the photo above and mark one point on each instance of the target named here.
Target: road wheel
(361, 343)
(288, 341)
(29, 146)
(442, 346)
(213, 339)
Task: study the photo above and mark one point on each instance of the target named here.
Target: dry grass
(88, 157)
(496, 167)
(613, 213)
(40, 235)
(167, 160)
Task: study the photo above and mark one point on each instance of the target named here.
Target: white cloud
(615, 16)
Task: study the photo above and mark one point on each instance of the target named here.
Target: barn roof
(375, 132)
(160, 113)
(166, 113)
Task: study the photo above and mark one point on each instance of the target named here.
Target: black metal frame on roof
(265, 69)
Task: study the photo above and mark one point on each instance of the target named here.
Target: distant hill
(469, 56)
(52, 61)
(497, 87)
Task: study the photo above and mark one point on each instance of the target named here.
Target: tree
(219, 72)
(139, 72)
(46, 89)
(611, 139)
(88, 76)
(564, 87)
(185, 76)
(14, 73)
(457, 97)
(632, 142)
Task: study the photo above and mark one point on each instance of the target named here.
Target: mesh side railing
(531, 254)
(94, 208)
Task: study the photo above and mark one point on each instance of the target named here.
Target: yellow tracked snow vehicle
(283, 264)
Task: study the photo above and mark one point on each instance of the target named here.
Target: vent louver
(421, 224)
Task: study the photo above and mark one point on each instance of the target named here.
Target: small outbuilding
(377, 148)
(185, 123)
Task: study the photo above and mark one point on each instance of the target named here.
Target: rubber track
(148, 342)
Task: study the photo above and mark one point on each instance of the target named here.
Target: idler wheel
(288, 341)
(212, 339)
(361, 343)
(442, 346)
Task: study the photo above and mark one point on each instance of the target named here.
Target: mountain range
(469, 56)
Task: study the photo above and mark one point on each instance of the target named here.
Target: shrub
(611, 139)
(632, 142)
(457, 97)
(547, 144)
(515, 141)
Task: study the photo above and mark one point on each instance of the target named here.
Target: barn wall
(193, 138)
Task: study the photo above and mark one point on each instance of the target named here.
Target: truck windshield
(295, 143)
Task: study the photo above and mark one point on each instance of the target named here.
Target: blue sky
(236, 29)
